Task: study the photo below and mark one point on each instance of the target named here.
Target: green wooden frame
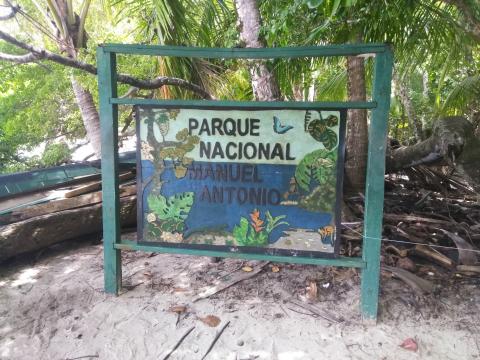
(369, 263)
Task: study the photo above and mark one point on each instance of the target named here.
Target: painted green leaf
(257, 238)
(162, 118)
(240, 232)
(329, 139)
(175, 207)
(274, 221)
(318, 165)
(331, 120)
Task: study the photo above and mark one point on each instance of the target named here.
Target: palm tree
(184, 23)
(413, 28)
(66, 27)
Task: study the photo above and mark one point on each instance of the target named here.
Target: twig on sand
(220, 286)
(215, 339)
(178, 343)
(317, 312)
(83, 357)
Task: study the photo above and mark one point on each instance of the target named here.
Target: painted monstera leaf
(175, 207)
(331, 120)
(319, 165)
(320, 130)
(328, 139)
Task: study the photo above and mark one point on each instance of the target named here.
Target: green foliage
(56, 154)
(36, 104)
(171, 213)
(428, 36)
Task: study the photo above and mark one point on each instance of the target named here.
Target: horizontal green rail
(246, 53)
(248, 104)
(340, 261)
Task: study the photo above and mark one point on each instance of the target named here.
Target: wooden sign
(246, 180)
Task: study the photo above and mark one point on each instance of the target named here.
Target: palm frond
(462, 95)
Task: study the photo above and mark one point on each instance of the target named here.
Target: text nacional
(236, 150)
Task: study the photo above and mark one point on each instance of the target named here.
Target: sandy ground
(52, 307)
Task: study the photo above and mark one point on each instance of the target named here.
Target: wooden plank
(329, 105)
(14, 203)
(431, 254)
(245, 53)
(107, 88)
(97, 185)
(377, 143)
(62, 204)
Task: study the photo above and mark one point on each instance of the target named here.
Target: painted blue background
(206, 216)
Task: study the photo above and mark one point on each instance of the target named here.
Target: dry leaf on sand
(312, 291)
(210, 320)
(409, 344)
(179, 309)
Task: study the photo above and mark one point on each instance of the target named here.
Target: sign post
(252, 180)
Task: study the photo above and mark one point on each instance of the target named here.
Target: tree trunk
(357, 128)
(44, 230)
(452, 142)
(264, 84)
(406, 101)
(89, 113)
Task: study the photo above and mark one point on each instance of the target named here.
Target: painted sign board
(260, 180)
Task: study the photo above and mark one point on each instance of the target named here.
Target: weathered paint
(107, 85)
(212, 104)
(241, 178)
(246, 53)
(340, 261)
(376, 162)
(373, 217)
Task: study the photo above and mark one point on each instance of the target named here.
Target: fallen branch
(431, 254)
(12, 13)
(212, 290)
(405, 217)
(317, 312)
(419, 285)
(466, 252)
(469, 269)
(217, 336)
(175, 347)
